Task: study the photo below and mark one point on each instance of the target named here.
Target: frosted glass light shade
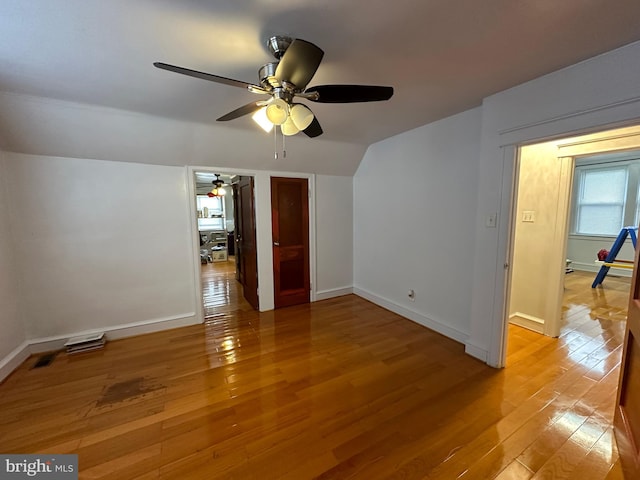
(277, 111)
(260, 117)
(301, 116)
(289, 128)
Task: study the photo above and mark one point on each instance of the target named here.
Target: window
(606, 197)
(601, 200)
(210, 212)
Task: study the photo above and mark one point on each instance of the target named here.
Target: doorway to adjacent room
(550, 285)
(226, 227)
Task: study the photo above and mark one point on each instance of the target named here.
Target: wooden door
(627, 415)
(290, 230)
(246, 253)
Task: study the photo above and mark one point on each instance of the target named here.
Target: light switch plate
(529, 216)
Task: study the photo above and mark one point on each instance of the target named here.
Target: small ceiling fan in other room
(285, 81)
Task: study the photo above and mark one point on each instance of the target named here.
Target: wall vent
(85, 343)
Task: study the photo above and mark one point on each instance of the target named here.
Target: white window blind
(600, 204)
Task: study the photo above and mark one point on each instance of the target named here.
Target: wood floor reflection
(221, 292)
(575, 437)
(330, 390)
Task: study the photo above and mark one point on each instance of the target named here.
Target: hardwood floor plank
(598, 462)
(515, 471)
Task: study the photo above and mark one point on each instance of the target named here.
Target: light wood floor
(220, 290)
(332, 390)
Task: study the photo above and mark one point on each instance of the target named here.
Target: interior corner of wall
(13, 360)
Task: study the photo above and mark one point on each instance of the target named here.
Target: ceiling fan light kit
(289, 128)
(217, 190)
(285, 80)
(277, 111)
(301, 116)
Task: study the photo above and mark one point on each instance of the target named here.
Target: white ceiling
(441, 56)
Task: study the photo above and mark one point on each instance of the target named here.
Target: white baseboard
(476, 352)
(412, 315)
(333, 292)
(592, 267)
(48, 344)
(12, 361)
(585, 267)
(527, 321)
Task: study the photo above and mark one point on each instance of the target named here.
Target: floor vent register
(85, 343)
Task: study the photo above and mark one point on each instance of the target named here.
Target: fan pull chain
(275, 143)
(284, 151)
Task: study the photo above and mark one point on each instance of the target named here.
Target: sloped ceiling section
(441, 56)
(41, 126)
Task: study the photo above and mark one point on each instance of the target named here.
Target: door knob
(276, 244)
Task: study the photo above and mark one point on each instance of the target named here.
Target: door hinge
(506, 266)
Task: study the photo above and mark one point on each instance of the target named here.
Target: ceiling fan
(286, 80)
(217, 190)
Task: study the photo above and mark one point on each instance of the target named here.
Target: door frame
(262, 198)
(606, 139)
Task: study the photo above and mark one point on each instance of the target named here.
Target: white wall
(334, 234)
(414, 211)
(102, 245)
(538, 261)
(538, 174)
(593, 95)
(12, 334)
(228, 206)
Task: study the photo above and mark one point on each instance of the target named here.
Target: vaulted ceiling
(441, 56)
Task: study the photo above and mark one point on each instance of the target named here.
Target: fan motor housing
(278, 44)
(267, 76)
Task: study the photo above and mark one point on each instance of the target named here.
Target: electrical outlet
(412, 295)
(491, 220)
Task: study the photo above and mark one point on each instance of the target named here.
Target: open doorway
(550, 294)
(224, 257)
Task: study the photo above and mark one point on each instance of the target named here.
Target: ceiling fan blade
(350, 93)
(239, 112)
(299, 63)
(314, 129)
(205, 76)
